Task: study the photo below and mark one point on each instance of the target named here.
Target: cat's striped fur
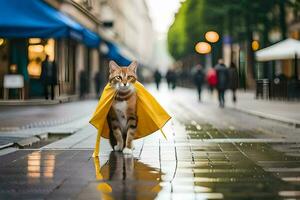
(122, 118)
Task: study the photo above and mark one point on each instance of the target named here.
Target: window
(37, 51)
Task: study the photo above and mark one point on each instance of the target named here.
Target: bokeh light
(203, 47)
(212, 36)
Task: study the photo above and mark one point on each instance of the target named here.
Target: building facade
(78, 63)
(78, 59)
(132, 28)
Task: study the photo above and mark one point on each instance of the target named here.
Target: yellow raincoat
(151, 116)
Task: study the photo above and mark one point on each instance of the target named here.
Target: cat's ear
(133, 66)
(113, 66)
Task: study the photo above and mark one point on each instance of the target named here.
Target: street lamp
(203, 48)
(255, 45)
(212, 36)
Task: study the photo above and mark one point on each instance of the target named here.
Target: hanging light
(36, 48)
(49, 49)
(203, 47)
(35, 40)
(212, 36)
(2, 41)
(34, 69)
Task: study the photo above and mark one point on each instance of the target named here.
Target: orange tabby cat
(122, 118)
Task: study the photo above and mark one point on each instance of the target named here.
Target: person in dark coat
(199, 79)
(83, 83)
(233, 80)
(222, 84)
(98, 83)
(49, 77)
(157, 78)
(173, 78)
(168, 78)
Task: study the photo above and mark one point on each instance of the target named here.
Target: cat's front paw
(117, 148)
(127, 151)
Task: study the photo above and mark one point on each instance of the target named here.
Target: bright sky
(162, 13)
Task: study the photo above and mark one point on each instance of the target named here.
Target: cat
(122, 117)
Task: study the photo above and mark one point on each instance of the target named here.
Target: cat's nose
(124, 84)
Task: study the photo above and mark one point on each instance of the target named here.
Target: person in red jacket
(211, 78)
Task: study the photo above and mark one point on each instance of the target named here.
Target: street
(224, 122)
(210, 153)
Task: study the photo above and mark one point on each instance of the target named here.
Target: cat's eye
(118, 77)
(130, 77)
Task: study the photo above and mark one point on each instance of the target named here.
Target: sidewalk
(39, 102)
(22, 117)
(24, 125)
(282, 111)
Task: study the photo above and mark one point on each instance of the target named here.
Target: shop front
(278, 71)
(32, 30)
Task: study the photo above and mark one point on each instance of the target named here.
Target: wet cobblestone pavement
(200, 160)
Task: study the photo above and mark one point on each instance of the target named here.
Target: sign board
(13, 81)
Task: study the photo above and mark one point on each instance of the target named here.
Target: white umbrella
(286, 49)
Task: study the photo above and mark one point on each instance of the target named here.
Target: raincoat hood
(151, 116)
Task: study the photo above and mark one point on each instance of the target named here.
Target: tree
(177, 36)
(238, 19)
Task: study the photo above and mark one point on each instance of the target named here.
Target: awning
(91, 39)
(35, 18)
(115, 54)
(286, 49)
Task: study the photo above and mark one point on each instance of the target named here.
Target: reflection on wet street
(124, 177)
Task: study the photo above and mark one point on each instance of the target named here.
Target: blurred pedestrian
(98, 83)
(49, 77)
(168, 78)
(83, 83)
(173, 79)
(233, 80)
(222, 83)
(211, 78)
(199, 79)
(157, 78)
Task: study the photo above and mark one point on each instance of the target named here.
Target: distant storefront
(30, 30)
(278, 70)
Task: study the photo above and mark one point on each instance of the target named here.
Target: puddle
(207, 131)
(124, 177)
